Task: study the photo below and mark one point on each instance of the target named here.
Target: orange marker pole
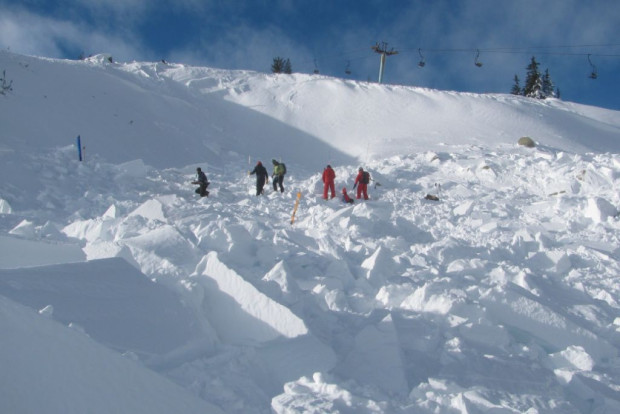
(295, 208)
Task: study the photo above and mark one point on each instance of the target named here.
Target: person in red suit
(345, 196)
(361, 182)
(328, 182)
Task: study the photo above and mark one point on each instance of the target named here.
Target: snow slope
(120, 291)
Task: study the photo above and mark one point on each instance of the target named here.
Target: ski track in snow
(503, 296)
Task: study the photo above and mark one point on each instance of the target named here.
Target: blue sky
(331, 35)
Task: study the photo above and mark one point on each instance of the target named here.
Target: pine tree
(281, 65)
(278, 65)
(533, 82)
(547, 85)
(516, 88)
(287, 67)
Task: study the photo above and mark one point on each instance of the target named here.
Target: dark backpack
(283, 168)
(365, 177)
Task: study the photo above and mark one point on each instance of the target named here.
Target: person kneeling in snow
(345, 196)
(202, 182)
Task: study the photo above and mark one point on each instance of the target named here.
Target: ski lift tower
(382, 50)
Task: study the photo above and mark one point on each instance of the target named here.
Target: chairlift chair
(316, 69)
(594, 73)
(347, 69)
(422, 62)
(476, 62)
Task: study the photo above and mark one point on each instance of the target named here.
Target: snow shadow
(164, 121)
(109, 299)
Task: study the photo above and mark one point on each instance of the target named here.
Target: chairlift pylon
(422, 61)
(476, 62)
(594, 73)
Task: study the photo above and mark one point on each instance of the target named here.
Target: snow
(123, 291)
(48, 367)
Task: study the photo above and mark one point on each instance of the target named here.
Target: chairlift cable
(359, 54)
(554, 50)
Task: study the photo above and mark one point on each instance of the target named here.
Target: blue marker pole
(79, 145)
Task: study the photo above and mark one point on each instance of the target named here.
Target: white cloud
(27, 33)
(243, 47)
(118, 9)
(111, 6)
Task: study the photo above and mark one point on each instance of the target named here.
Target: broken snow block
(599, 210)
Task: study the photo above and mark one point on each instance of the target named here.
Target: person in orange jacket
(328, 182)
(361, 182)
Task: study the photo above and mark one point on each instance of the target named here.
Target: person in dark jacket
(278, 175)
(328, 182)
(201, 180)
(262, 177)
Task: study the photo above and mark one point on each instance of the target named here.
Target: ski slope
(121, 291)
